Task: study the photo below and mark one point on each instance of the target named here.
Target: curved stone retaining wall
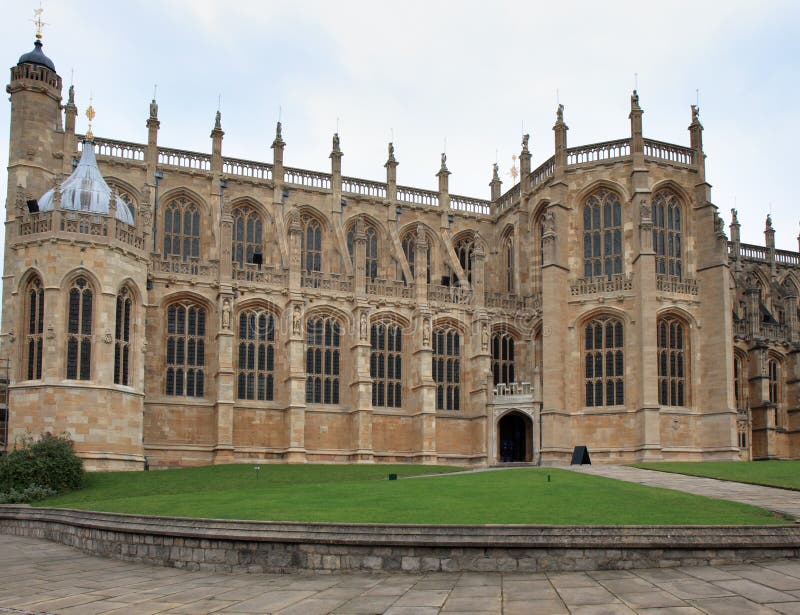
(256, 546)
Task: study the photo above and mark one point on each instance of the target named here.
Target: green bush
(29, 494)
(47, 463)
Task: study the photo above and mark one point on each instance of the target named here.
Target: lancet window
(464, 249)
(122, 337)
(255, 379)
(34, 329)
(672, 368)
(604, 362)
(602, 235)
(507, 266)
(182, 229)
(311, 245)
(503, 358)
(386, 365)
(247, 239)
(446, 368)
(186, 333)
(79, 330)
(667, 234)
(323, 341)
(371, 252)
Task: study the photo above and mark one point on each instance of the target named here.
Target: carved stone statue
(107, 338)
(153, 109)
(391, 151)
(71, 97)
(296, 320)
(718, 224)
(426, 331)
(485, 337)
(560, 114)
(336, 142)
(734, 216)
(525, 139)
(218, 121)
(548, 223)
(769, 222)
(695, 114)
(226, 314)
(645, 210)
(363, 333)
(495, 172)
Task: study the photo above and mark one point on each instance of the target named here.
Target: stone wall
(277, 547)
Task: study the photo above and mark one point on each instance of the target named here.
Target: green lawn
(784, 474)
(356, 493)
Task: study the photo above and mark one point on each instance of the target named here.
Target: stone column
(336, 176)
(444, 193)
(391, 176)
(769, 241)
(226, 395)
(525, 167)
(359, 258)
(361, 387)
(151, 160)
(421, 265)
(70, 141)
(423, 387)
(560, 131)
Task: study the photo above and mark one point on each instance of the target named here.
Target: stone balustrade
(93, 227)
(599, 286)
(455, 295)
(389, 288)
(599, 152)
(678, 286)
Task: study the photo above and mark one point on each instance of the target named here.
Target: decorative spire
(37, 20)
(90, 115)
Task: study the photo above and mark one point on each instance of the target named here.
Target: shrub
(29, 494)
(47, 463)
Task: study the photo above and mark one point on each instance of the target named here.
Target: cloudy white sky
(471, 73)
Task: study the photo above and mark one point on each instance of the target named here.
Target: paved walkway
(38, 576)
(780, 500)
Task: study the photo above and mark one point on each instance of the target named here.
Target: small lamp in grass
(258, 470)
(392, 476)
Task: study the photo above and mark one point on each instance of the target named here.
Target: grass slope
(784, 474)
(342, 493)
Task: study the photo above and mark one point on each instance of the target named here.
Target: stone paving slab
(782, 501)
(45, 578)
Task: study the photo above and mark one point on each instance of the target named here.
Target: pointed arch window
(79, 330)
(667, 234)
(371, 250)
(255, 369)
(503, 358)
(186, 333)
(602, 235)
(323, 340)
(34, 329)
(182, 229)
(311, 245)
(446, 368)
(507, 266)
(409, 244)
(464, 249)
(386, 365)
(775, 389)
(122, 337)
(604, 362)
(739, 393)
(672, 368)
(248, 235)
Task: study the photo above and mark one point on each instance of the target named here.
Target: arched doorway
(515, 438)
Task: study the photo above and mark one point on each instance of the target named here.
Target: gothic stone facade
(262, 312)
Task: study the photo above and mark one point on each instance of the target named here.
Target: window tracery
(122, 337)
(672, 368)
(602, 235)
(446, 368)
(323, 340)
(386, 365)
(34, 328)
(256, 355)
(79, 330)
(182, 229)
(604, 362)
(247, 238)
(667, 234)
(503, 358)
(186, 331)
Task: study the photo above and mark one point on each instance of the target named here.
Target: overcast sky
(471, 74)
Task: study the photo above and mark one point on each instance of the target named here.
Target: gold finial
(37, 20)
(90, 114)
(513, 172)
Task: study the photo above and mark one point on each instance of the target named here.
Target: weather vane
(513, 171)
(90, 115)
(37, 20)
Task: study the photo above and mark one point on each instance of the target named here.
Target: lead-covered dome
(86, 190)
(36, 56)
